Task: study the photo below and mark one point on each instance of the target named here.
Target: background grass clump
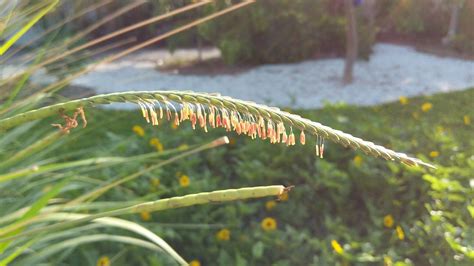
(345, 209)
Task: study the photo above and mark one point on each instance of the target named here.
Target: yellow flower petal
(467, 120)
(434, 154)
(400, 233)
(138, 130)
(103, 261)
(145, 216)
(269, 205)
(154, 141)
(194, 263)
(357, 160)
(337, 247)
(426, 107)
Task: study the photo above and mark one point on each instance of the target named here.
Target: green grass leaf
(27, 27)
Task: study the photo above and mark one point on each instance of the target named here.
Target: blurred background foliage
(345, 209)
(275, 31)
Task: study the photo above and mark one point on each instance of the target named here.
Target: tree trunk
(351, 41)
(370, 13)
(199, 44)
(453, 22)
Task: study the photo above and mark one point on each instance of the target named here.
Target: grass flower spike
(205, 111)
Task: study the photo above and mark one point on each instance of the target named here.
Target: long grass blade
(127, 225)
(27, 27)
(35, 209)
(74, 242)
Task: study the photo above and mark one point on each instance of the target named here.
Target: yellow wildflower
(387, 261)
(155, 182)
(357, 160)
(426, 107)
(400, 233)
(403, 100)
(103, 261)
(159, 147)
(194, 263)
(434, 154)
(145, 216)
(223, 234)
(268, 224)
(467, 120)
(388, 221)
(155, 142)
(183, 147)
(269, 205)
(415, 115)
(138, 130)
(337, 247)
(184, 181)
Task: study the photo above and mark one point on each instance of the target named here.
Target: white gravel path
(392, 71)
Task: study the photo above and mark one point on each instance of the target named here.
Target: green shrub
(281, 31)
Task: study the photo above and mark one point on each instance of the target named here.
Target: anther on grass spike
(71, 122)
